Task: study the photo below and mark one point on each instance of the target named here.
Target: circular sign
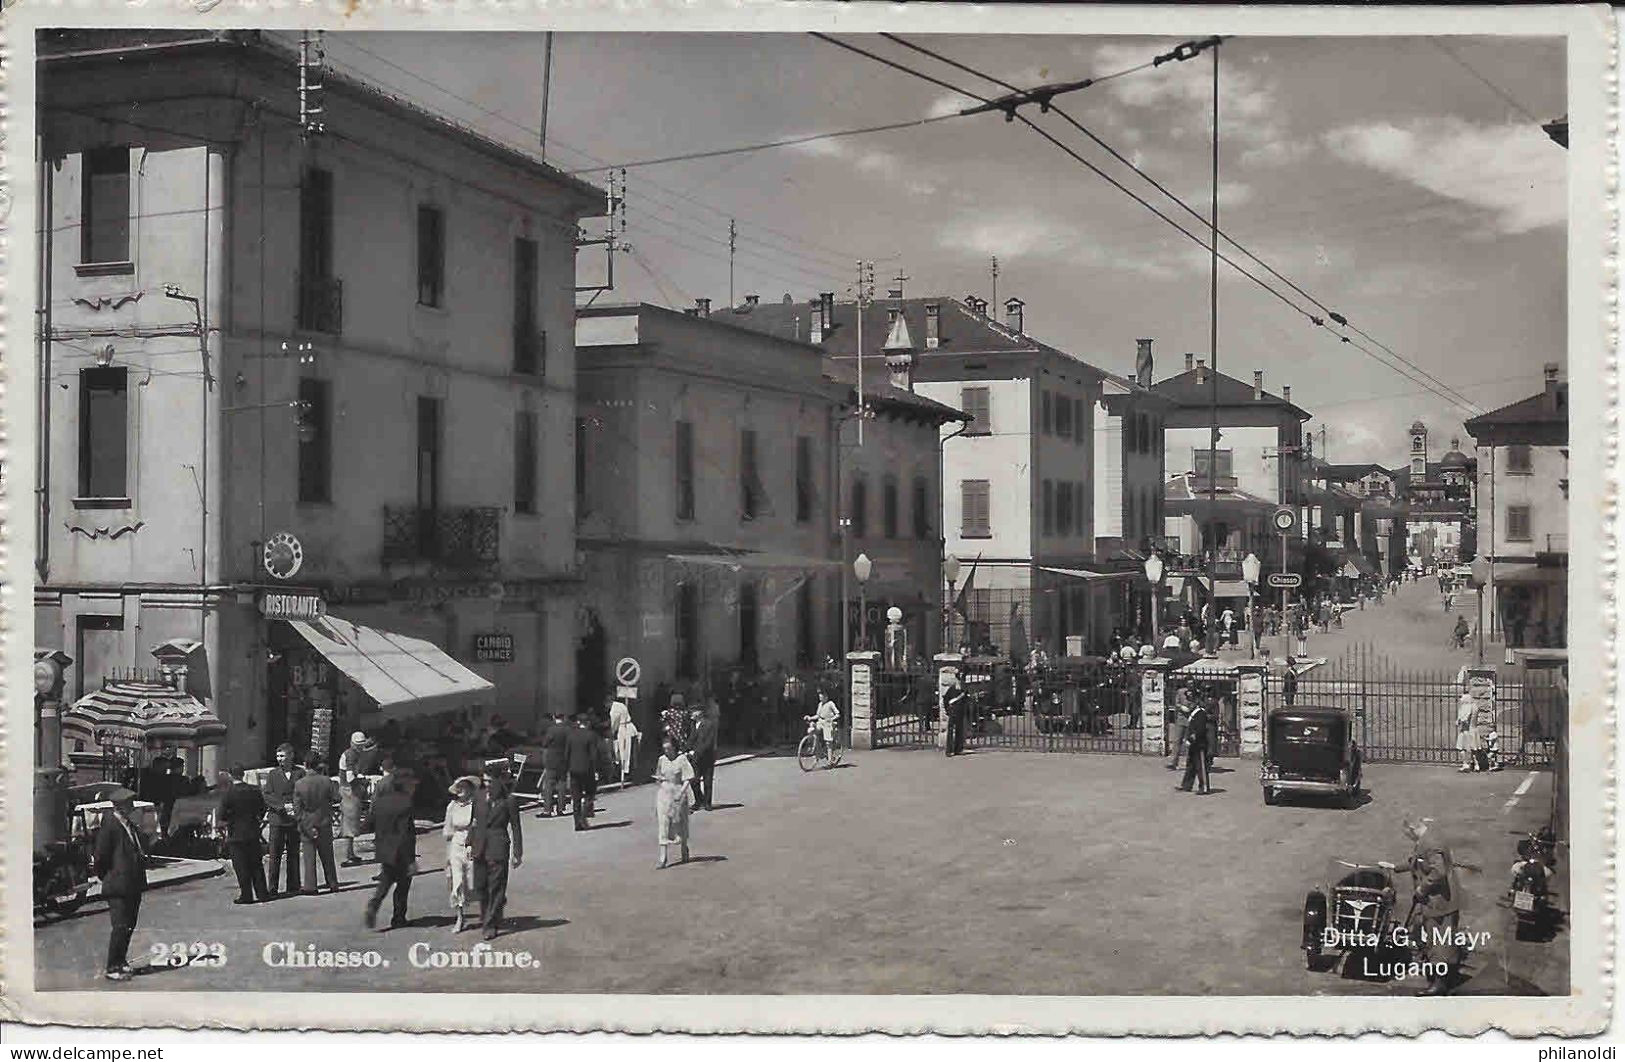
(283, 555)
(45, 676)
(627, 671)
(1285, 518)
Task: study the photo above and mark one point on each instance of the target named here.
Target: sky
(1403, 182)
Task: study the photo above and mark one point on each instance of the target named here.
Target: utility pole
(995, 272)
(547, 84)
(866, 284)
(1213, 357)
(733, 242)
(312, 59)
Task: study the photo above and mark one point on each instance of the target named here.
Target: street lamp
(1249, 572)
(950, 576)
(863, 567)
(1481, 576)
(1153, 575)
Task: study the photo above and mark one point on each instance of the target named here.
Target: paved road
(1001, 872)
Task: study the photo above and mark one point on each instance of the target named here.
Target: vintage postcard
(809, 517)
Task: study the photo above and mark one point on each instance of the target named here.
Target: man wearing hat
(313, 798)
(581, 760)
(555, 763)
(953, 704)
(395, 840)
(241, 812)
(120, 864)
(496, 820)
(360, 759)
(1436, 902)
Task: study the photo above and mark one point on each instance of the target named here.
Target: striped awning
(142, 714)
(403, 676)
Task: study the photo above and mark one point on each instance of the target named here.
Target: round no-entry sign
(628, 671)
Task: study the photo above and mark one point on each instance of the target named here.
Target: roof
(61, 45)
(1535, 409)
(1185, 390)
(1456, 459)
(879, 390)
(1182, 488)
(1342, 473)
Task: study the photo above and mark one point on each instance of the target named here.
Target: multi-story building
(1261, 445)
(1523, 514)
(1440, 511)
(298, 388)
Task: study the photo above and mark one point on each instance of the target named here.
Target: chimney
(815, 319)
(751, 301)
(1551, 386)
(1142, 362)
(787, 299)
(1201, 370)
(900, 364)
(692, 311)
(703, 306)
(1286, 394)
(1258, 384)
(828, 299)
(1190, 361)
(1012, 315)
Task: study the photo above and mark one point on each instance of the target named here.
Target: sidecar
(1353, 911)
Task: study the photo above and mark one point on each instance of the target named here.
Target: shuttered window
(975, 401)
(975, 520)
(683, 461)
(1518, 523)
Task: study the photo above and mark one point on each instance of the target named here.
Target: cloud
(1021, 234)
(1512, 172)
(877, 163)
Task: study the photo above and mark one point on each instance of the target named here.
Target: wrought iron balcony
(321, 304)
(1557, 543)
(461, 538)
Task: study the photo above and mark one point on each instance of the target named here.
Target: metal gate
(1408, 716)
(904, 708)
(1070, 706)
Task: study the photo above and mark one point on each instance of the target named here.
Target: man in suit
(313, 798)
(555, 766)
(395, 843)
(1197, 743)
(496, 820)
(120, 863)
(581, 760)
(704, 757)
(278, 786)
(242, 809)
(953, 703)
(1436, 902)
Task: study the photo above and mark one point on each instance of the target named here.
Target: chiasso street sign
(1285, 580)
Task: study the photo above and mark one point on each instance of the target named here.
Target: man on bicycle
(829, 716)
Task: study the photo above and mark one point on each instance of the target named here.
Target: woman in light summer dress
(459, 864)
(1468, 741)
(672, 777)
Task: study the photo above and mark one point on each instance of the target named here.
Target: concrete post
(1251, 706)
(861, 669)
(1153, 705)
(948, 665)
(1481, 688)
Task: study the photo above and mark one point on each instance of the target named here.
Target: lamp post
(863, 567)
(1481, 576)
(1249, 572)
(1153, 575)
(950, 576)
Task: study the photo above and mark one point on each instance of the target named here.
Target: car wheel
(1269, 797)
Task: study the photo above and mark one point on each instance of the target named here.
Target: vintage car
(1352, 912)
(1310, 749)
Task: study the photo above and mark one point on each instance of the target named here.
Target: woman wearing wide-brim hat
(459, 859)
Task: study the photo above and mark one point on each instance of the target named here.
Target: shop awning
(1508, 573)
(755, 561)
(1227, 587)
(1207, 667)
(1079, 573)
(404, 676)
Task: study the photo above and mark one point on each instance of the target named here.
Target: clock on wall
(282, 555)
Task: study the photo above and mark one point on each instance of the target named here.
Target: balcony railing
(461, 538)
(1557, 543)
(321, 304)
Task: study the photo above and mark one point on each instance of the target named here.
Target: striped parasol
(139, 714)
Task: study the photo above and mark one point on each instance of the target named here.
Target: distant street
(906, 872)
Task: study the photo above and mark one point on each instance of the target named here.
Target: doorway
(592, 665)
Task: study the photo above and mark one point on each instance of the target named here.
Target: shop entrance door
(592, 666)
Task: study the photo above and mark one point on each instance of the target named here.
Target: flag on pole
(961, 600)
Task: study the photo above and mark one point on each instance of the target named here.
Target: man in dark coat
(704, 757)
(581, 759)
(1436, 902)
(395, 845)
(242, 810)
(278, 786)
(313, 798)
(555, 766)
(1197, 744)
(120, 864)
(496, 820)
(954, 704)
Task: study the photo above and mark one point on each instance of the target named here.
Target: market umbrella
(137, 714)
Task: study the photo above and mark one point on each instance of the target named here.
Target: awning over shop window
(1079, 573)
(1227, 587)
(1527, 574)
(404, 676)
(755, 561)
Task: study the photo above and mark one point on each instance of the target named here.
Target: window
(922, 509)
(431, 255)
(320, 307)
(1063, 508)
(1063, 416)
(1518, 523)
(99, 639)
(805, 647)
(860, 507)
(888, 508)
(1047, 423)
(749, 615)
(1049, 507)
(975, 520)
(976, 403)
(1199, 462)
(804, 479)
(529, 344)
(524, 461)
(103, 432)
(581, 466)
(1079, 496)
(687, 633)
(683, 459)
(315, 440)
(1077, 420)
(933, 326)
(751, 495)
(104, 226)
(428, 453)
(1520, 460)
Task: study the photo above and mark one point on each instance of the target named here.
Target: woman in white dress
(624, 733)
(672, 777)
(459, 863)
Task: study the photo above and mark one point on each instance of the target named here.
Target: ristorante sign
(281, 606)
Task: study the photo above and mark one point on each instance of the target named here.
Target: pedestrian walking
(1436, 902)
(954, 707)
(1198, 747)
(1466, 733)
(396, 844)
(352, 798)
(1177, 717)
(704, 757)
(282, 822)
(313, 797)
(673, 775)
(459, 862)
(1459, 633)
(555, 766)
(581, 760)
(1300, 630)
(494, 843)
(120, 862)
(1289, 681)
(624, 734)
(241, 814)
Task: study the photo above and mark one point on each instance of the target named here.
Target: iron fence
(1073, 706)
(904, 708)
(767, 709)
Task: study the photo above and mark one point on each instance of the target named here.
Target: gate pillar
(1481, 688)
(861, 668)
(948, 664)
(1250, 706)
(1153, 705)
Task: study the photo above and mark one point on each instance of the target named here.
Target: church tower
(1419, 452)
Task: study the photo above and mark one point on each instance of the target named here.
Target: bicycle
(812, 750)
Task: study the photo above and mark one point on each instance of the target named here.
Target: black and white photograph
(1043, 503)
